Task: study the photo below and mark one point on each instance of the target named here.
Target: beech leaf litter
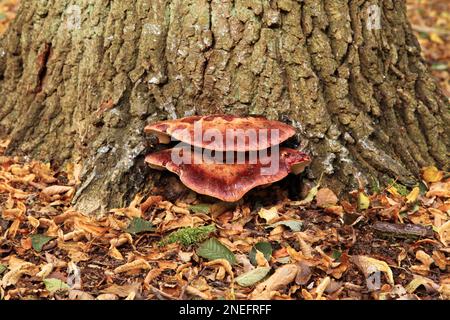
(394, 244)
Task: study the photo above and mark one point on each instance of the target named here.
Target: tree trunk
(80, 79)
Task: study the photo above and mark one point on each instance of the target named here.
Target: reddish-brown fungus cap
(227, 182)
(223, 132)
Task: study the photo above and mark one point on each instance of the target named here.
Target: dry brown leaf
(80, 295)
(152, 275)
(432, 174)
(134, 265)
(123, 291)
(321, 287)
(370, 265)
(107, 296)
(326, 198)
(418, 281)
(269, 214)
(423, 257)
(16, 272)
(440, 260)
(52, 190)
(224, 263)
(282, 277)
(444, 233)
(439, 189)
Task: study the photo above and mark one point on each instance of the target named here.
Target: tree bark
(80, 79)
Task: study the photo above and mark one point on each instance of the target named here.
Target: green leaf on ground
(39, 240)
(264, 247)
(336, 255)
(213, 249)
(138, 225)
(439, 66)
(401, 189)
(2, 268)
(188, 236)
(294, 225)
(201, 208)
(253, 276)
(54, 285)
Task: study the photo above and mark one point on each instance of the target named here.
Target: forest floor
(394, 244)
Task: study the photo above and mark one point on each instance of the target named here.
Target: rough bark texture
(82, 89)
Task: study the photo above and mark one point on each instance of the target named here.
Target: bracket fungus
(226, 168)
(223, 132)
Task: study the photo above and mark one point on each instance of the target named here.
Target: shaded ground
(391, 245)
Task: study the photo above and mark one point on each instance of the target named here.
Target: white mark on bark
(156, 79)
(129, 29)
(84, 186)
(189, 113)
(104, 149)
(73, 13)
(374, 17)
(298, 125)
(343, 155)
(127, 160)
(2, 52)
(151, 29)
(366, 144)
(182, 53)
(328, 163)
(170, 109)
(349, 138)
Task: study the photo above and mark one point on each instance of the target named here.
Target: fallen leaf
(39, 240)
(139, 225)
(418, 281)
(52, 190)
(54, 285)
(11, 277)
(80, 295)
(124, 290)
(326, 198)
(268, 214)
(439, 189)
(308, 199)
(134, 265)
(283, 276)
(264, 247)
(45, 271)
(253, 276)
(363, 201)
(444, 233)
(413, 195)
(201, 208)
(369, 265)
(436, 38)
(107, 296)
(213, 249)
(294, 225)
